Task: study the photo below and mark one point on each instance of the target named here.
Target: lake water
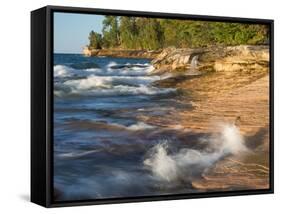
(102, 140)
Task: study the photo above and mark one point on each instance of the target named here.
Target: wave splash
(186, 164)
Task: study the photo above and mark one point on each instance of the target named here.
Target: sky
(71, 31)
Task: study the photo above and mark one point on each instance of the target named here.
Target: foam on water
(62, 71)
(140, 126)
(107, 82)
(113, 91)
(125, 79)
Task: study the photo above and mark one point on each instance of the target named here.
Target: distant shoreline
(122, 53)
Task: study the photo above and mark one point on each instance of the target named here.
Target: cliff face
(121, 53)
(234, 58)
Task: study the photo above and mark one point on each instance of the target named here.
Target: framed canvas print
(140, 106)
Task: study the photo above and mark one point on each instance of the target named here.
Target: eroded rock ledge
(234, 58)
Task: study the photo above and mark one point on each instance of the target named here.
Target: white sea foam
(119, 72)
(116, 91)
(110, 64)
(77, 154)
(132, 71)
(140, 126)
(113, 64)
(131, 80)
(187, 162)
(66, 71)
(108, 81)
(161, 164)
(62, 71)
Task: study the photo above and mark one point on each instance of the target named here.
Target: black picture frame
(42, 105)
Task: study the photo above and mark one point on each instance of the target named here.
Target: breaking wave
(62, 71)
(185, 164)
(111, 80)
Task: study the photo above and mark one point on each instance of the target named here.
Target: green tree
(128, 33)
(151, 33)
(111, 35)
(95, 40)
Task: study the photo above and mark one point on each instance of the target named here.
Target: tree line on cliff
(152, 34)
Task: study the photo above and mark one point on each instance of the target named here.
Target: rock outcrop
(235, 58)
(243, 57)
(171, 59)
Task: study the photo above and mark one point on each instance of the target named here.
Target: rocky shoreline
(232, 58)
(121, 53)
(225, 85)
(218, 58)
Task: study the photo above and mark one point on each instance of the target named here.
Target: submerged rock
(84, 65)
